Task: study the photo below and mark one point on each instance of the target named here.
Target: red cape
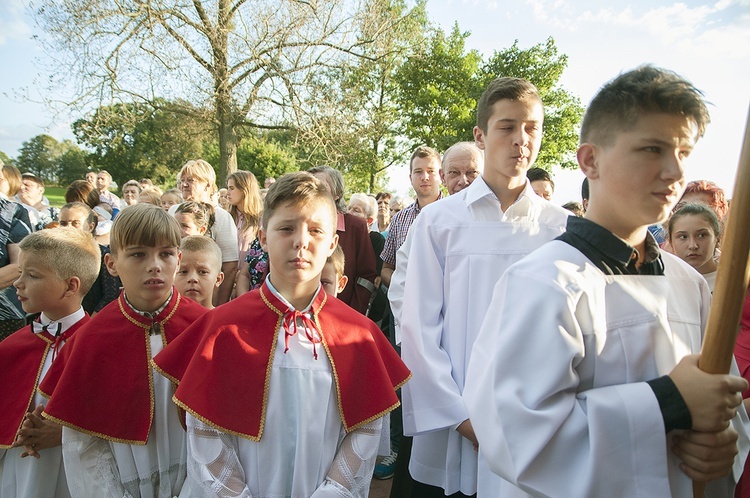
(106, 386)
(22, 357)
(223, 363)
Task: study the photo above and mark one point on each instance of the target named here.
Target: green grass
(56, 195)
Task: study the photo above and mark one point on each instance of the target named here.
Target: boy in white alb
(121, 433)
(286, 389)
(583, 380)
(460, 247)
(55, 293)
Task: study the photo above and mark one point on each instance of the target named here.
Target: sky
(706, 42)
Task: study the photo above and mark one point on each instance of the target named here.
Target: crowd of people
(299, 339)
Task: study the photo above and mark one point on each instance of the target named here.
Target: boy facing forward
(53, 291)
(199, 274)
(286, 391)
(121, 433)
(460, 246)
(583, 380)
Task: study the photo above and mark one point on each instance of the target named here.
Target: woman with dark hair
(14, 226)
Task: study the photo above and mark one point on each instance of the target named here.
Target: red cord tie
(291, 327)
(57, 337)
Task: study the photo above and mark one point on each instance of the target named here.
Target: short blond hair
(207, 245)
(144, 225)
(200, 170)
(296, 189)
(338, 260)
(68, 252)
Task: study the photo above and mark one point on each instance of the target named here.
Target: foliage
(71, 165)
(438, 91)
(235, 64)
(355, 122)
(133, 141)
(543, 66)
(265, 158)
(5, 159)
(39, 155)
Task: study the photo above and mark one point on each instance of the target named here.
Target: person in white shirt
(459, 249)
(197, 180)
(584, 377)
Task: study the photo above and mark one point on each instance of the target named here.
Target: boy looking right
(583, 380)
(121, 433)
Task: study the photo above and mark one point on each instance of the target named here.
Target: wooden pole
(731, 281)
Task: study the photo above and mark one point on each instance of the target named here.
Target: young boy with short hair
(199, 274)
(332, 277)
(286, 391)
(584, 379)
(460, 247)
(57, 269)
(121, 433)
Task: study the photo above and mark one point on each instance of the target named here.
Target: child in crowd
(150, 196)
(106, 288)
(694, 232)
(584, 380)
(287, 389)
(121, 433)
(57, 269)
(170, 198)
(195, 218)
(332, 277)
(200, 272)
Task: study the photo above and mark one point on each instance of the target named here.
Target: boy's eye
(182, 272)
(655, 149)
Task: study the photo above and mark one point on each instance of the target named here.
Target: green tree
(356, 124)
(5, 159)
(237, 64)
(265, 158)
(39, 155)
(543, 65)
(137, 140)
(71, 165)
(438, 90)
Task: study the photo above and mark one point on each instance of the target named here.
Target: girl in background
(243, 194)
(195, 218)
(694, 233)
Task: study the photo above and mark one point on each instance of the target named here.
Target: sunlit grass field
(56, 195)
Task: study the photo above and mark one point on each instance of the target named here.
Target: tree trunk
(224, 115)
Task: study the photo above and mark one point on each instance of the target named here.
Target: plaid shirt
(398, 229)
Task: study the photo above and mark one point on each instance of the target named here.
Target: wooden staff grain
(731, 280)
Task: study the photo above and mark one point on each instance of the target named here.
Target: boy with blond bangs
(53, 292)
(287, 389)
(332, 277)
(200, 272)
(584, 379)
(121, 434)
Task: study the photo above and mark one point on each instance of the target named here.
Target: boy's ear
(334, 243)
(219, 279)
(478, 138)
(263, 239)
(587, 160)
(343, 280)
(73, 286)
(109, 262)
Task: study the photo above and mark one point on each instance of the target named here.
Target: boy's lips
(154, 281)
(299, 262)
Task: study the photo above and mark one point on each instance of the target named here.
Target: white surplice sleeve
(213, 462)
(539, 425)
(90, 466)
(352, 467)
(432, 399)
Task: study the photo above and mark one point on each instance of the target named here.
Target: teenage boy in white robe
(460, 247)
(584, 379)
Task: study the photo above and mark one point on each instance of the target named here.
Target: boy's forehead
(320, 209)
(529, 109)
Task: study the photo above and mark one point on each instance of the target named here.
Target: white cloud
(13, 24)
(722, 26)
